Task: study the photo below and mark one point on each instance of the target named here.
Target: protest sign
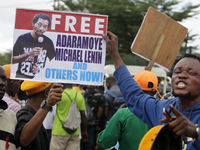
(159, 39)
(56, 46)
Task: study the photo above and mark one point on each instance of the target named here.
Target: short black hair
(100, 88)
(111, 79)
(187, 55)
(43, 16)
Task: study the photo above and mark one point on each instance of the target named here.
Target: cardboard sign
(55, 46)
(159, 39)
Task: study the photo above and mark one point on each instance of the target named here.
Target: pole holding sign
(155, 54)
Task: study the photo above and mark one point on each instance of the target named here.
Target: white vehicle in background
(159, 72)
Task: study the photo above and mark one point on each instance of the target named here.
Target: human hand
(123, 106)
(84, 136)
(35, 51)
(112, 48)
(180, 124)
(35, 68)
(55, 94)
(111, 43)
(98, 147)
(146, 68)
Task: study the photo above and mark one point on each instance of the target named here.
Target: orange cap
(32, 87)
(144, 78)
(7, 70)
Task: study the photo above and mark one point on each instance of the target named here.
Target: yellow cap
(7, 70)
(32, 87)
(149, 137)
(160, 138)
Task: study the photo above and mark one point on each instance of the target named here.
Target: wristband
(196, 134)
(45, 106)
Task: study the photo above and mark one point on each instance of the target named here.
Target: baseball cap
(7, 68)
(160, 138)
(147, 80)
(33, 87)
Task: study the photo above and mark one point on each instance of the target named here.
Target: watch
(45, 106)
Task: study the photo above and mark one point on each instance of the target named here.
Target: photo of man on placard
(32, 49)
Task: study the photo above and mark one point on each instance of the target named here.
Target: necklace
(190, 111)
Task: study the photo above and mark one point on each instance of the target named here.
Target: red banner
(65, 22)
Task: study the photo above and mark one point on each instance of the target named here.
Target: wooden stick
(157, 49)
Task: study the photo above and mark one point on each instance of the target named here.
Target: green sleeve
(111, 134)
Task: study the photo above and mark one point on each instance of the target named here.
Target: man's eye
(39, 24)
(4, 79)
(177, 71)
(193, 73)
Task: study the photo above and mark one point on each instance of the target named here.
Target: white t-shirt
(48, 121)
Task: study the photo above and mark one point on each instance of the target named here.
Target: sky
(7, 19)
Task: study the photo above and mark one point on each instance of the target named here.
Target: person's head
(41, 22)
(147, 81)
(100, 89)
(3, 79)
(186, 77)
(110, 81)
(36, 89)
(12, 86)
(67, 85)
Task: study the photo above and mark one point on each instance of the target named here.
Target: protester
(185, 85)
(102, 118)
(31, 50)
(76, 87)
(112, 86)
(124, 126)
(30, 133)
(95, 103)
(61, 139)
(8, 118)
(12, 87)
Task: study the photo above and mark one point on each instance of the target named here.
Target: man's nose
(182, 75)
(42, 28)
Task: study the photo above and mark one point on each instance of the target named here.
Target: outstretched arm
(112, 48)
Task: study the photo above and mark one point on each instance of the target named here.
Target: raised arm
(112, 48)
(31, 129)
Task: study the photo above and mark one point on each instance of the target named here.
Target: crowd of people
(45, 113)
(39, 124)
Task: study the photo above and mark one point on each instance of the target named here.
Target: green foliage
(5, 58)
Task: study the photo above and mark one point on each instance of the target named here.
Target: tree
(5, 58)
(125, 16)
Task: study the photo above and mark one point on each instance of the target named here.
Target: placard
(159, 34)
(56, 46)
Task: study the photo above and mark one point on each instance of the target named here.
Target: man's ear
(46, 93)
(10, 82)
